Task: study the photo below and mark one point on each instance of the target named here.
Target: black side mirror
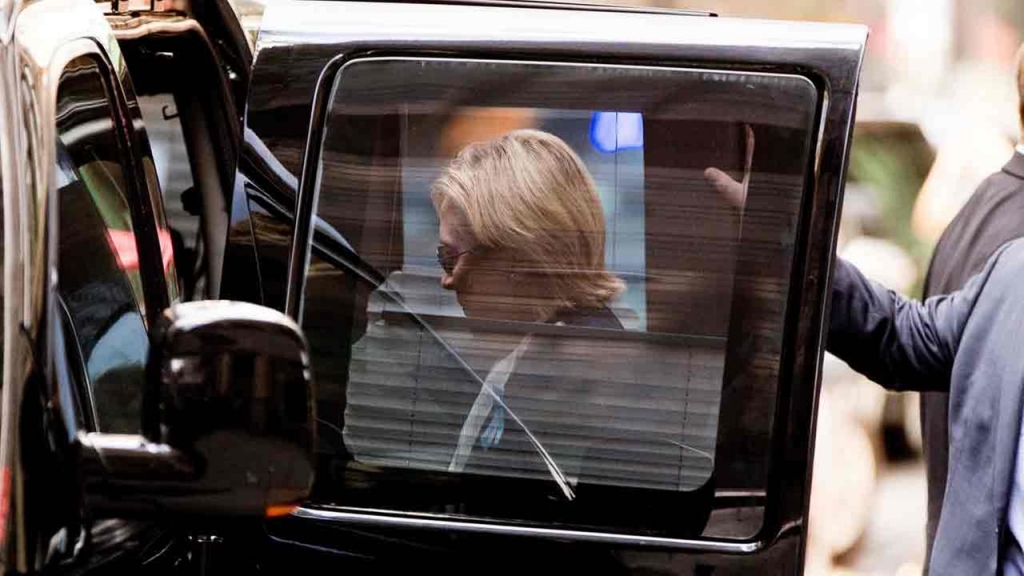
(228, 423)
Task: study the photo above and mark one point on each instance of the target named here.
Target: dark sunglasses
(448, 257)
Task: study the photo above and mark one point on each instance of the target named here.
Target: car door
(674, 435)
(99, 267)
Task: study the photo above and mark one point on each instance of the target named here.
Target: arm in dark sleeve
(899, 343)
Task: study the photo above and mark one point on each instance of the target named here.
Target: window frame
(799, 285)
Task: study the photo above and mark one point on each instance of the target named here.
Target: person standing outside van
(992, 216)
(965, 344)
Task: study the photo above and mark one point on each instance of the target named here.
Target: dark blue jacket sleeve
(899, 343)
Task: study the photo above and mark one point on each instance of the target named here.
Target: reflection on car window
(566, 296)
(99, 279)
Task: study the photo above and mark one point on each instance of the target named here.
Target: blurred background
(937, 114)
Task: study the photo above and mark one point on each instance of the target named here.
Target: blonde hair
(529, 192)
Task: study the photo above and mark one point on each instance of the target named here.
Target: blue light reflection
(614, 131)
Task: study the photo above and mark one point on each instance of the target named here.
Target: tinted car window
(99, 279)
(597, 340)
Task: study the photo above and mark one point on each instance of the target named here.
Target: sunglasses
(447, 257)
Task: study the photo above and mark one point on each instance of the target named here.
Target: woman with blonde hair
(522, 232)
(522, 243)
(522, 238)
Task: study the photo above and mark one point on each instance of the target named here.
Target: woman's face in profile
(482, 278)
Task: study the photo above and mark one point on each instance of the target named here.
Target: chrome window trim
(513, 27)
(426, 522)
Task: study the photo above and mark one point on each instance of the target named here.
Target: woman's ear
(447, 281)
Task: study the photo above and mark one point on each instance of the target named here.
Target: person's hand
(734, 192)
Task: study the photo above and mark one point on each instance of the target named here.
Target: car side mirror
(227, 426)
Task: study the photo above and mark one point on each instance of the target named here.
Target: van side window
(100, 286)
(560, 291)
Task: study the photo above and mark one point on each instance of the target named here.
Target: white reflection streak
(691, 449)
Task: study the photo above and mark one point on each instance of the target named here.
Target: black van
(229, 346)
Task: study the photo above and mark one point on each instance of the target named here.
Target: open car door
(674, 433)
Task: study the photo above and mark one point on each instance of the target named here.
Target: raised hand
(734, 192)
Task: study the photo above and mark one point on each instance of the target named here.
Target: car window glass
(542, 290)
(98, 263)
